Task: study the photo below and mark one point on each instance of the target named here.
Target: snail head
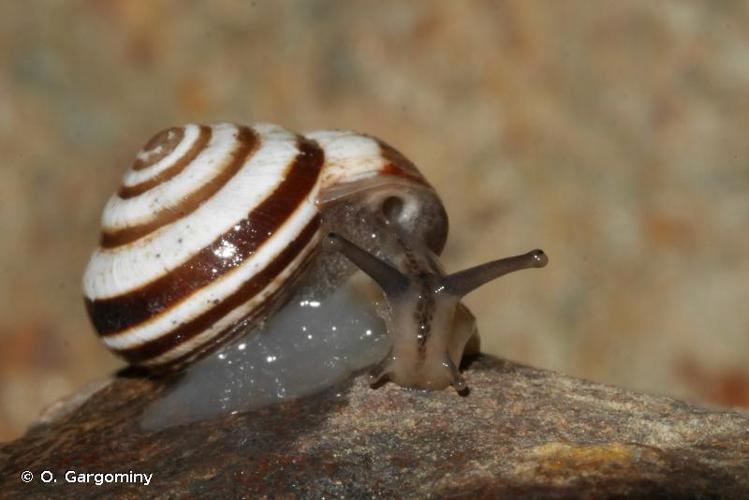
(428, 325)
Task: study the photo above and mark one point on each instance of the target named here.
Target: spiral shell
(212, 224)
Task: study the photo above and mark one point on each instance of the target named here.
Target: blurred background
(611, 134)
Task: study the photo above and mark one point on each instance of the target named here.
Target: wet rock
(520, 431)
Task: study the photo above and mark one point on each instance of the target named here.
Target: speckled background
(612, 134)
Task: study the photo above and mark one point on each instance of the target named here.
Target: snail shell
(214, 224)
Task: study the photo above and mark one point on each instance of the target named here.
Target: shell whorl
(210, 227)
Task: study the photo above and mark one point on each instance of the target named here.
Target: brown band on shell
(398, 165)
(247, 142)
(159, 146)
(118, 313)
(178, 166)
(252, 287)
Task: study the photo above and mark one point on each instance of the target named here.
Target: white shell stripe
(348, 156)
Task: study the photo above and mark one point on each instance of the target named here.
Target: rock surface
(521, 431)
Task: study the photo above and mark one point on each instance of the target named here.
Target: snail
(218, 231)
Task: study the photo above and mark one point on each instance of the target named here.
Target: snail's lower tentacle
(456, 379)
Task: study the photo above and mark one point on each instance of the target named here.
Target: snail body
(219, 231)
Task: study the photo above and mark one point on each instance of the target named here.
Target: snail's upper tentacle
(466, 281)
(391, 280)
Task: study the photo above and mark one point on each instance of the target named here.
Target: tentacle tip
(459, 384)
(464, 391)
(539, 258)
(377, 381)
(379, 375)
